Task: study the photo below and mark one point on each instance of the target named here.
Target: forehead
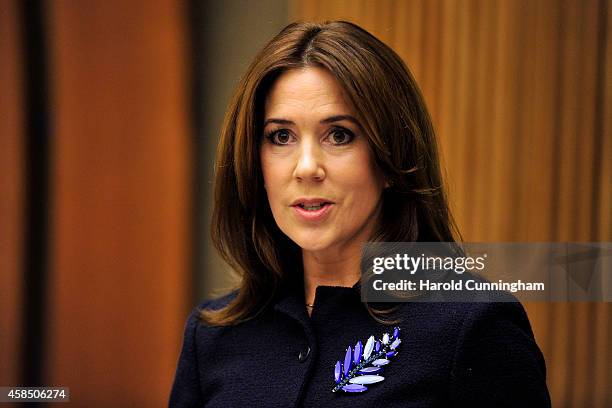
(310, 89)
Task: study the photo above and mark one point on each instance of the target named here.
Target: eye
(279, 137)
(339, 136)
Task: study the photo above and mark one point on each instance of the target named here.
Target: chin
(313, 248)
(310, 243)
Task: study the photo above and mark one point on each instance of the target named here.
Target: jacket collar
(290, 298)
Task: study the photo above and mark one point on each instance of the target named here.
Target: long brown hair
(397, 125)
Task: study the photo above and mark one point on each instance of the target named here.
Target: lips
(312, 209)
(311, 202)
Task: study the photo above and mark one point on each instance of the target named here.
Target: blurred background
(109, 117)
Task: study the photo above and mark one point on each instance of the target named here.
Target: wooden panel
(447, 93)
(521, 96)
(120, 203)
(602, 216)
(11, 191)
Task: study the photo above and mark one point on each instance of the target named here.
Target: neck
(338, 269)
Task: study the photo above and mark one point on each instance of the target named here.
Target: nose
(309, 163)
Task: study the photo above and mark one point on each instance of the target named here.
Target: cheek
(265, 171)
(273, 172)
(364, 183)
(367, 185)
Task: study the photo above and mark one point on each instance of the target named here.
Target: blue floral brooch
(363, 365)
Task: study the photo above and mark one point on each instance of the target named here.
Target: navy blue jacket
(452, 354)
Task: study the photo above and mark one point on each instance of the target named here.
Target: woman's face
(322, 183)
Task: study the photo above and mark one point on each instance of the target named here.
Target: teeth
(312, 207)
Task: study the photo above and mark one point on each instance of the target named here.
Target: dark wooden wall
(118, 208)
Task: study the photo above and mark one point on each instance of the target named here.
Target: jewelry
(363, 364)
(310, 305)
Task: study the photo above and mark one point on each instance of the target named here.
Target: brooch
(363, 364)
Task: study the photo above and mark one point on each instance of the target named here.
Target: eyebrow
(331, 119)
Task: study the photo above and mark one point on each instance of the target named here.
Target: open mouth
(313, 207)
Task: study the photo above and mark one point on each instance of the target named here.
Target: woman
(327, 144)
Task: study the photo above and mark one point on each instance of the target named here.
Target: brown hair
(397, 125)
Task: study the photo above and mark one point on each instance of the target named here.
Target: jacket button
(304, 355)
